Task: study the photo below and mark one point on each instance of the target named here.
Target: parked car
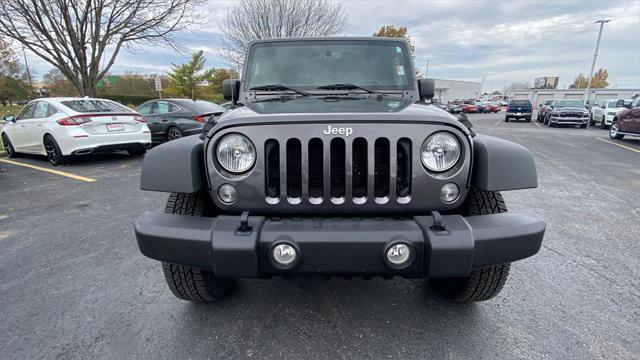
(519, 109)
(170, 119)
(454, 108)
(61, 127)
(493, 107)
(544, 107)
(591, 103)
(567, 112)
(627, 121)
(469, 108)
(603, 114)
(481, 105)
(336, 179)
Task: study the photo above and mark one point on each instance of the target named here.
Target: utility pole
(426, 73)
(482, 86)
(26, 64)
(595, 55)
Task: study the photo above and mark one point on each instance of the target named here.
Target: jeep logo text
(338, 131)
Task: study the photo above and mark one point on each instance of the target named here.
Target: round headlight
(236, 153)
(440, 151)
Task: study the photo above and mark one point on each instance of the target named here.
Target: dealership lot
(74, 285)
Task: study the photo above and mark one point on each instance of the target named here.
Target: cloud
(516, 40)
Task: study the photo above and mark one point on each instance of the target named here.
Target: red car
(494, 108)
(469, 108)
(626, 122)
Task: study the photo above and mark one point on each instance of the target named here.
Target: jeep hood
(334, 109)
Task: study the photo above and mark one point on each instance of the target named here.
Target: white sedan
(61, 127)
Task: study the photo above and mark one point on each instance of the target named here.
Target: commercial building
(538, 96)
(448, 90)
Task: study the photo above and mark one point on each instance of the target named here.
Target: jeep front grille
(357, 183)
(301, 170)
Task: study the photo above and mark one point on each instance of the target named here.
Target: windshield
(309, 64)
(94, 106)
(569, 103)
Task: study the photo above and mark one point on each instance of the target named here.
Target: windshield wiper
(279, 87)
(348, 86)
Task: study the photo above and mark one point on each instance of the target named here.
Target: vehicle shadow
(374, 318)
(81, 161)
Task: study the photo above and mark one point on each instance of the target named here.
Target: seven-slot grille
(337, 169)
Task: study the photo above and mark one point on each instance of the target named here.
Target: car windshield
(310, 64)
(94, 106)
(569, 103)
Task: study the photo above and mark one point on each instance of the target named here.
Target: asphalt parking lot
(74, 285)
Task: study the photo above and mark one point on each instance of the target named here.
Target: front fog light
(284, 256)
(227, 194)
(399, 255)
(449, 193)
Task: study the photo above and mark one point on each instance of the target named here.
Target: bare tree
(264, 19)
(75, 36)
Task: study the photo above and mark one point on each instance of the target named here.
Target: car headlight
(236, 153)
(613, 113)
(440, 151)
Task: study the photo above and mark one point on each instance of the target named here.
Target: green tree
(190, 80)
(392, 31)
(11, 85)
(599, 80)
(221, 74)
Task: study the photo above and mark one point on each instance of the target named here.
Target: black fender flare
(175, 166)
(502, 165)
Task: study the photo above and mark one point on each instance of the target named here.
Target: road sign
(158, 84)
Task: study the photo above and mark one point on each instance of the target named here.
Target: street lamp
(595, 55)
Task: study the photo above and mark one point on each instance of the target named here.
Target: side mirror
(231, 90)
(9, 117)
(426, 88)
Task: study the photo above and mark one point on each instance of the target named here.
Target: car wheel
(483, 283)
(8, 147)
(603, 124)
(185, 282)
(506, 119)
(529, 119)
(54, 155)
(173, 133)
(550, 124)
(546, 121)
(591, 121)
(137, 151)
(613, 131)
(583, 126)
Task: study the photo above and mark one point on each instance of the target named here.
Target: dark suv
(330, 163)
(519, 109)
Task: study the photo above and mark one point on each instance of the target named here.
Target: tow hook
(244, 228)
(437, 226)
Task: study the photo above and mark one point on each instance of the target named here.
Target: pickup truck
(603, 114)
(519, 109)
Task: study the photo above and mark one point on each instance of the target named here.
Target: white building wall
(448, 90)
(539, 96)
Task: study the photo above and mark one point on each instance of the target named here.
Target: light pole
(595, 55)
(24, 54)
(426, 73)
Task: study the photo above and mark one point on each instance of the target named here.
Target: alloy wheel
(7, 146)
(613, 130)
(52, 154)
(174, 133)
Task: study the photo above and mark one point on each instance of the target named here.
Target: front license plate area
(115, 127)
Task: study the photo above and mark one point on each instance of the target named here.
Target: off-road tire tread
(483, 283)
(185, 282)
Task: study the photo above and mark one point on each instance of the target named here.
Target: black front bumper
(339, 246)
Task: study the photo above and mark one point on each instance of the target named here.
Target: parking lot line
(51, 171)
(622, 146)
(497, 122)
(536, 124)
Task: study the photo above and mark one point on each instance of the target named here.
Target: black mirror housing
(426, 88)
(231, 90)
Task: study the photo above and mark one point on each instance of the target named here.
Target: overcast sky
(500, 40)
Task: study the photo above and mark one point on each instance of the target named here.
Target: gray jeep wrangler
(331, 163)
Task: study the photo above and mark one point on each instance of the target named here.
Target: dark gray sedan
(170, 119)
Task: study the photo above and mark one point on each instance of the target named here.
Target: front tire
(603, 124)
(8, 147)
(137, 151)
(591, 121)
(613, 131)
(185, 282)
(483, 283)
(54, 154)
